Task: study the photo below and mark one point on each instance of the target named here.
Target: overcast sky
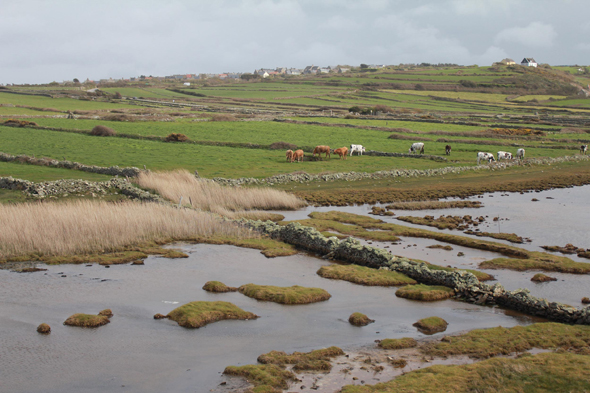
(51, 40)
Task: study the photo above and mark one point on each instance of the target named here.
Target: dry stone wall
(467, 287)
(62, 187)
(353, 176)
(111, 171)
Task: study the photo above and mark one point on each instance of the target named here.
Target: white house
(528, 62)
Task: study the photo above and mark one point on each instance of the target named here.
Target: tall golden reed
(210, 196)
(80, 227)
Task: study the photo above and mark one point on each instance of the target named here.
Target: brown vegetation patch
(218, 287)
(101, 130)
(428, 205)
(540, 277)
(513, 131)
(282, 146)
(176, 137)
(106, 312)
(20, 123)
(359, 319)
(585, 300)
(440, 246)
(569, 249)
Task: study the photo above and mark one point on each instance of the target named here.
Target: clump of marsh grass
(431, 325)
(285, 295)
(218, 287)
(209, 196)
(425, 292)
(365, 276)
(87, 320)
(398, 343)
(198, 314)
(359, 319)
(86, 227)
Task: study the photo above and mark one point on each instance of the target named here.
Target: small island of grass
(425, 293)
(540, 277)
(398, 343)
(431, 325)
(87, 320)
(359, 319)
(285, 295)
(218, 287)
(198, 314)
(365, 276)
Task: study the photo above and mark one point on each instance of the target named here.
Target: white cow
(503, 155)
(520, 153)
(360, 149)
(417, 147)
(583, 149)
(481, 156)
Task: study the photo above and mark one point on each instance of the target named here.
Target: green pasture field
(63, 104)
(8, 111)
(141, 92)
(581, 103)
(538, 97)
(210, 161)
(39, 173)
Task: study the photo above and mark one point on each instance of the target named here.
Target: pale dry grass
(209, 196)
(83, 227)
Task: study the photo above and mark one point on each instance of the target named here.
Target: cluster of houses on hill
(309, 70)
(527, 62)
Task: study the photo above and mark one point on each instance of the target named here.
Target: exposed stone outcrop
(467, 287)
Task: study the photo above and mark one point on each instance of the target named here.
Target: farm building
(528, 62)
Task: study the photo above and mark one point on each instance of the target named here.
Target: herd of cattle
(416, 148)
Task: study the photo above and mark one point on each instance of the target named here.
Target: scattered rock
(44, 328)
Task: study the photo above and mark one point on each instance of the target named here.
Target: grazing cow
(583, 149)
(321, 149)
(448, 150)
(481, 156)
(342, 152)
(297, 155)
(289, 155)
(417, 148)
(503, 155)
(520, 154)
(360, 149)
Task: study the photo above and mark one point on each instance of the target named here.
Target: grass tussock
(398, 343)
(365, 276)
(218, 287)
(263, 376)
(546, 372)
(285, 295)
(318, 360)
(101, 130)
(540, 277)
(44, 230)
(432, 205)
(484, 343)
(209, 196)
(425, 293)
(359, 319)
(44, 328)
(431, 325)
(198, 314)
(87, 320)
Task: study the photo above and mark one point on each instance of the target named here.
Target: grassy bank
(198, 314)
(425, 293)
(284, 295)
(365, 276)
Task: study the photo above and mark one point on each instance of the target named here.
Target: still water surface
(135, 353)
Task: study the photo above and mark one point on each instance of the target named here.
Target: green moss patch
(359, 319)
(87, 320)
(285, 295)
(218, 287)
(425, 293)
(546, 372)
(538, 261)
(197, 314)
(365, 276)
(431, 325)
(482, 343)
(397, 343)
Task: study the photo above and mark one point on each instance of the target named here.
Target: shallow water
(146, 355)
(135, 353)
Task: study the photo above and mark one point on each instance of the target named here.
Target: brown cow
(448, 150)
(289, 155)
(342, 152)
(297, 155)
(321, 149)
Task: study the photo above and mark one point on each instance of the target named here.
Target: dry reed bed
(81, 227)
(209, 196)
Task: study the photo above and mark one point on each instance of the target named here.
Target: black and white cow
(481, 156)
(417, 147)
